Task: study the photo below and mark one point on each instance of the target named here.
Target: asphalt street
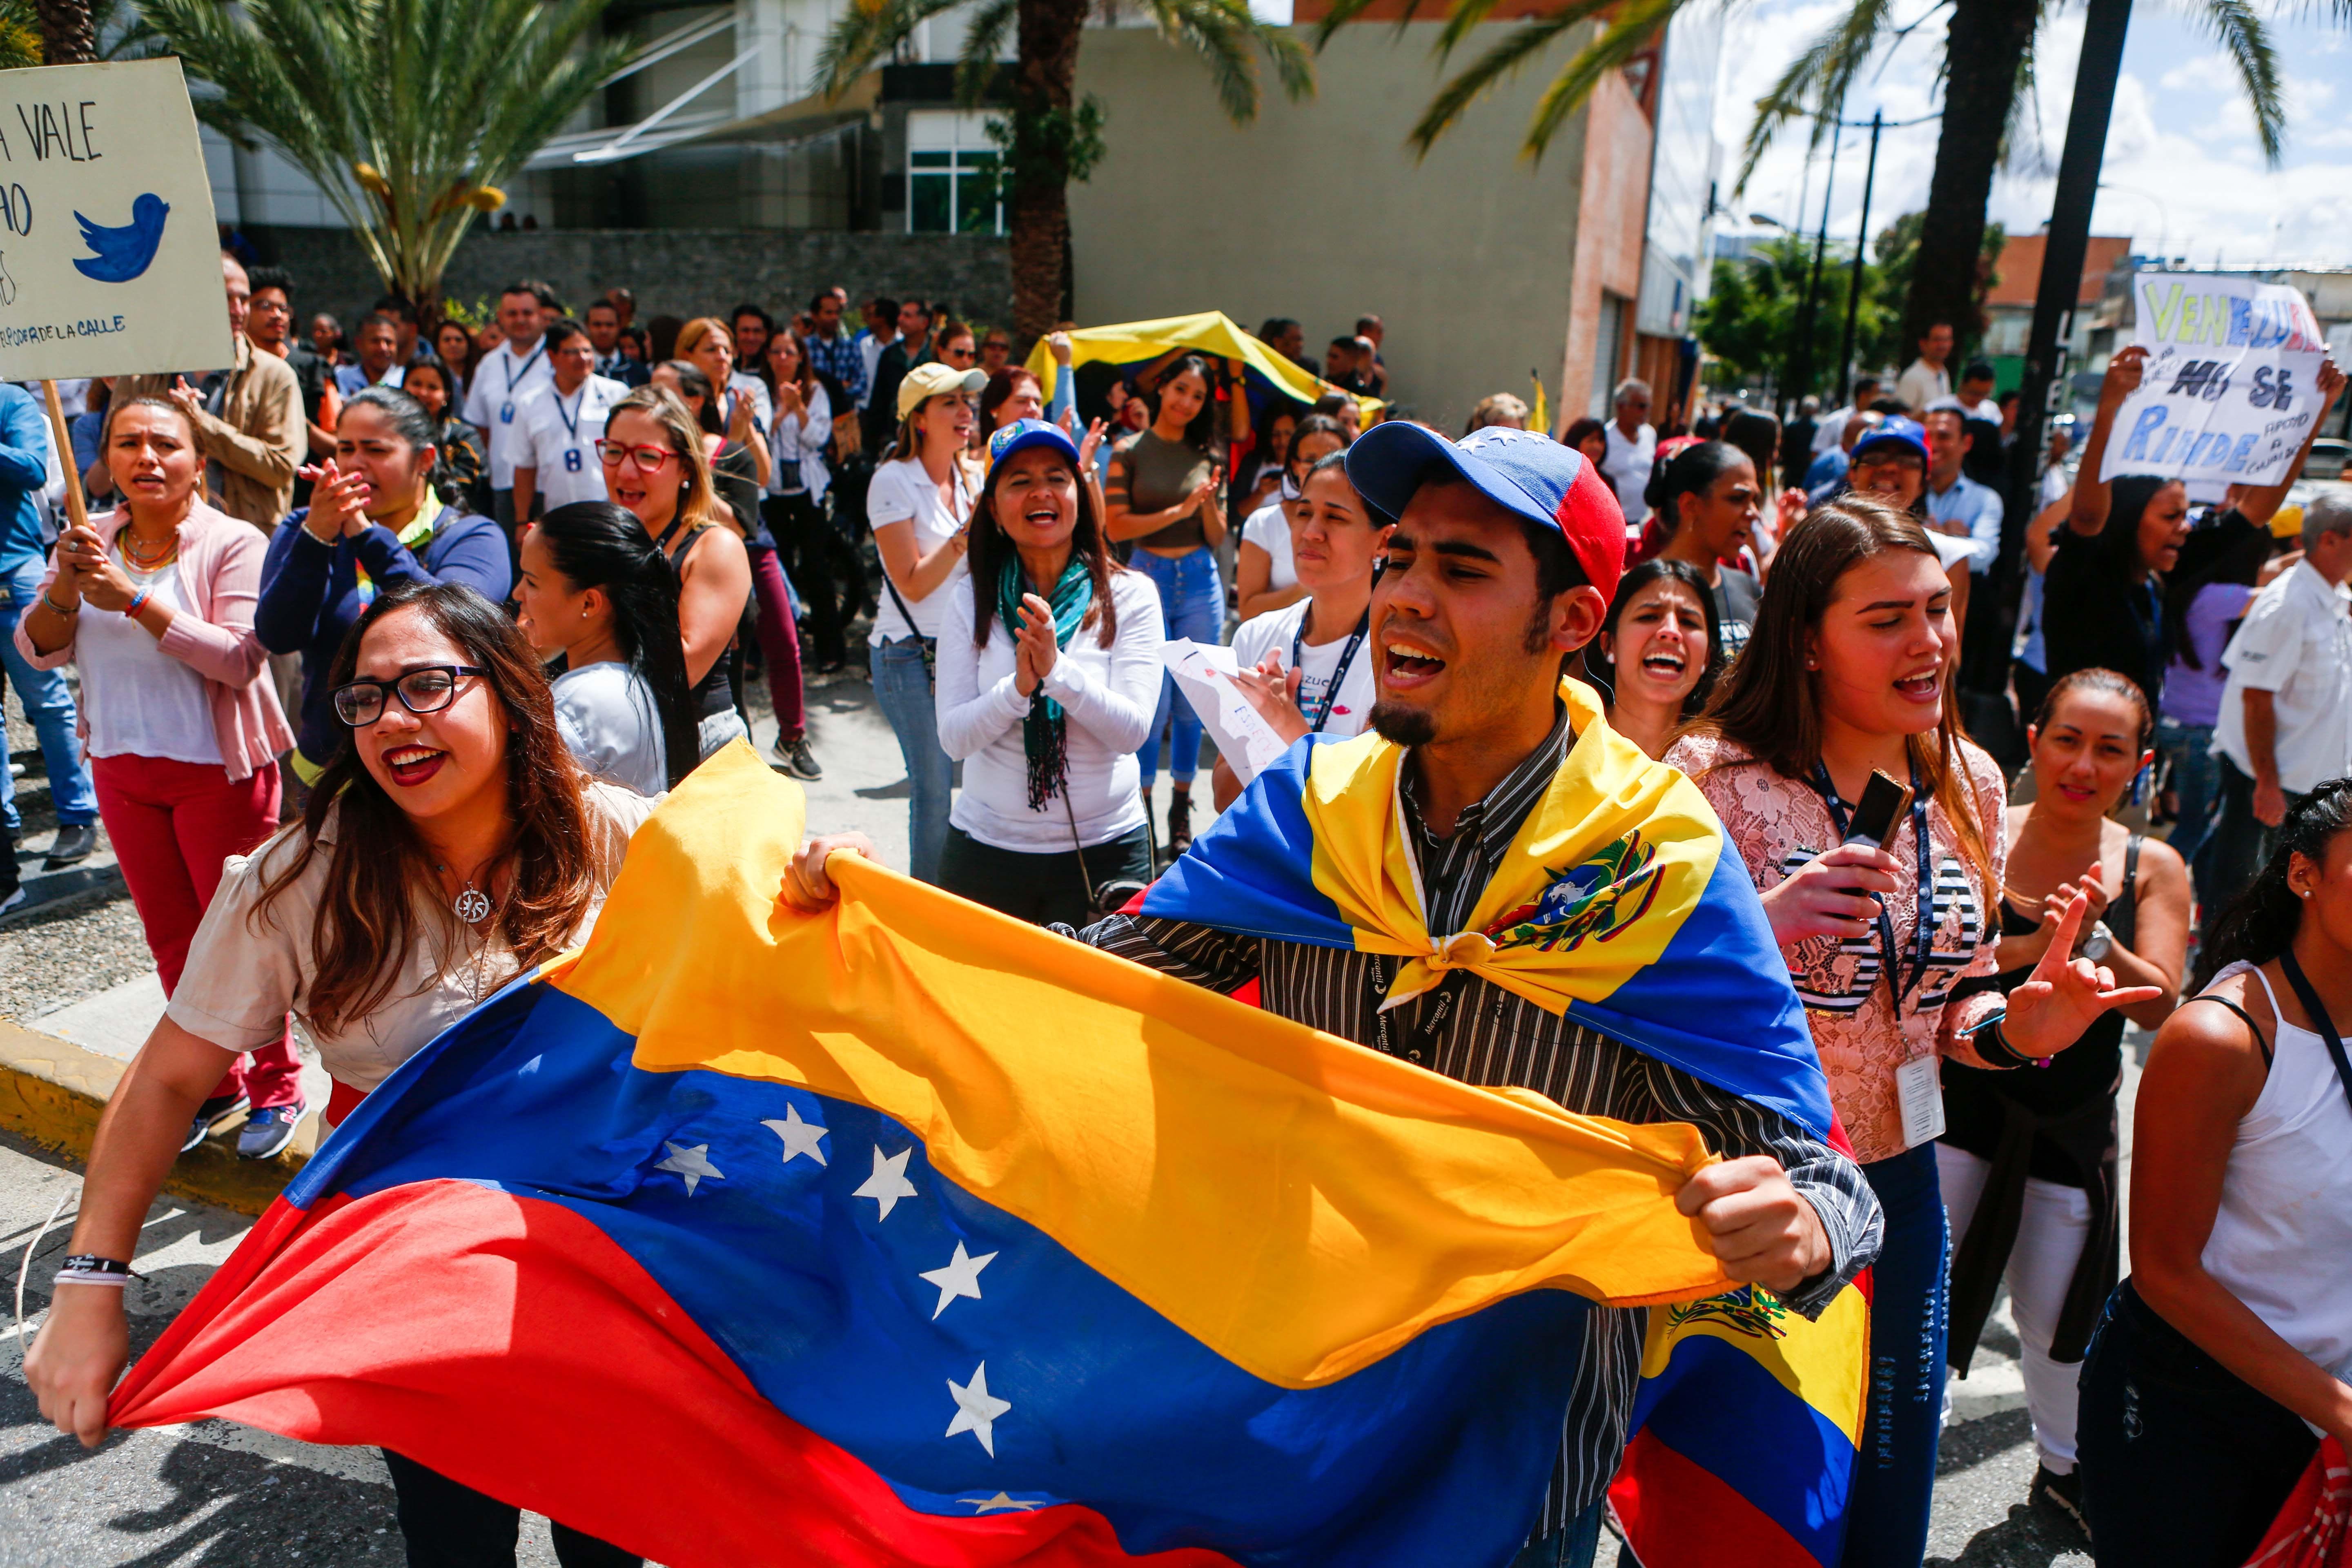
(227, 1497)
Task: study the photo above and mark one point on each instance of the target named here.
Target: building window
(1608, 351)
(952, 176)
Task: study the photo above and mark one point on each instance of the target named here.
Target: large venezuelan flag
(913, 1235)
(1619, 905)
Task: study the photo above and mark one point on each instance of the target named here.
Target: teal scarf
(1044, 733)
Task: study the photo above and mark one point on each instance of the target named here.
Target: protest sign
(2231, 388)
(110, 262)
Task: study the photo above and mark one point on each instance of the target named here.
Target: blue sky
(2182, 161)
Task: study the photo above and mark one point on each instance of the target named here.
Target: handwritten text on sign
(2231, 388)
(109, 263)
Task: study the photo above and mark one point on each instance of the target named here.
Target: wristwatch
(2097, 946)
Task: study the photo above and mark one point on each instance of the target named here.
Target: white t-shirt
(902, 492)
(607, 715)
(2295, 642)
(1921, 384)
(493, 404)
(1268, 528)
(1108, 694)
(559, 439)
(139, 701)
(1276, 631)
(796, 446)
(1627, 468)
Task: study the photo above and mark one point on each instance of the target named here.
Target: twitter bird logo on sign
(119, 255)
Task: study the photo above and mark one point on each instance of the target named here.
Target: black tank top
(715, 693)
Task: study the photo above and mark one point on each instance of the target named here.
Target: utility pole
(1861, 249)
(2063, 251)
(1800, 379)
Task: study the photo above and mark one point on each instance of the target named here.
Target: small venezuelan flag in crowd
(909, 1234)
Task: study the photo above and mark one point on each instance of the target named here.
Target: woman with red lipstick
(1849, 672)
(2028, 1161)
(155, 603)
(452, 843)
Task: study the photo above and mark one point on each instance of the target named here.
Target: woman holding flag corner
(1849, 672)
(451, 842)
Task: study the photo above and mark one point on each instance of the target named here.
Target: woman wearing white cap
(920, 506)
(1049, 675)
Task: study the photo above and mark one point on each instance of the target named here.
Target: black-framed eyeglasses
(360, 703)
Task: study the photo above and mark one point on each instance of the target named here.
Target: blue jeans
(902, 685)
(1191, 604)
(2196, 779)
(1895, 1474)
(49, 705)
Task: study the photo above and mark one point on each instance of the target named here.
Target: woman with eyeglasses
(655, 465)
(771, 623)
(375, 520)
(155, 605)
(452, 843)
(1266, 576)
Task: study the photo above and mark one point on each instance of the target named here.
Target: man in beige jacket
(251, 429)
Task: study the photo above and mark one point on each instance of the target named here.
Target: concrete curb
(52, 1091)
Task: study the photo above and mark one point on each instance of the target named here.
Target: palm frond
(406, 113)
(983, 45)
(1343, 12)
(1466, 15)
(1227, 38)
(1816, 82)
(1476, 79)
(864, 34)
(1632, 27)
(2238, 28)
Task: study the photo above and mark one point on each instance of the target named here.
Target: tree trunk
(1986, 48)
(1045, 87)
(67, 36)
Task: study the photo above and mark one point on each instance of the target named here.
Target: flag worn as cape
(1213, 332)
(1620, 906)
(1619, 903)
(909, 1233)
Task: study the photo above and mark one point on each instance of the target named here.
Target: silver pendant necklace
(472, 905)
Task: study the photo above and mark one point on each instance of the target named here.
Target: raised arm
(2261, 504)
(2088, 514)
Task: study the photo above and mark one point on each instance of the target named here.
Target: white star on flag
(997, 1504)
(692, 1164)
(800, 1137)
(888, 1182)
(977, 1409)
(959, 1276)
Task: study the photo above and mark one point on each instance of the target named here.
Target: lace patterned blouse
(1778, 824)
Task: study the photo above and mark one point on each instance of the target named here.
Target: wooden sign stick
(77, 507)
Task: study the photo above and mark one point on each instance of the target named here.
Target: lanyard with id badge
(507, 409)
(1918, 1085)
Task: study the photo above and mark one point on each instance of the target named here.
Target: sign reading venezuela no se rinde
(2231, 383)
(109, 263)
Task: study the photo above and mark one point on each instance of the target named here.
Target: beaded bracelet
(60, 609)
(138, 603)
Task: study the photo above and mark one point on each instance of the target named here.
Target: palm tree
(1988, 76)
(407, 113)
(67, 33)
(1049, 138)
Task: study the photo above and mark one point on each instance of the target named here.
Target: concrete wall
(673, 271)
(1612, 213)
(1319, 211)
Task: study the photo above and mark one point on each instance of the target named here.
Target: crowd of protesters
(480, 593)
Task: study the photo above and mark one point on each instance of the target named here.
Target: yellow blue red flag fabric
(909, 1234)
(1619, 905)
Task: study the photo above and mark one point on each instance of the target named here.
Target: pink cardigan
(220, 575)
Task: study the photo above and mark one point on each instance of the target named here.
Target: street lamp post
(1802, 377)
(1861, 249)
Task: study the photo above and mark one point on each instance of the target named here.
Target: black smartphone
(1883, 801)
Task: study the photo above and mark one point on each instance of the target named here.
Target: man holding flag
(1605, 952)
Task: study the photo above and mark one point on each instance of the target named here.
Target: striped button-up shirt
(1482, 1034)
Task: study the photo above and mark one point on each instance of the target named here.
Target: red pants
(780, 642)
(172, 824)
